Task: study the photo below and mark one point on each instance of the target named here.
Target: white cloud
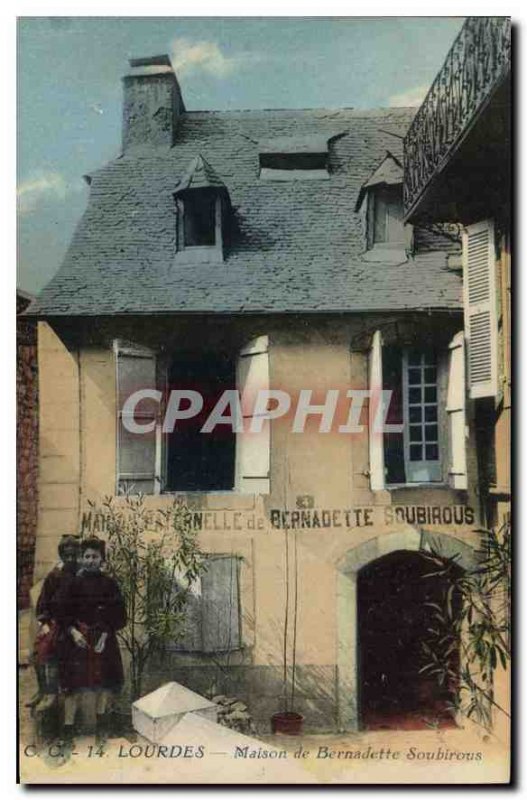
(42, 186)
(193, 56)
(412, 97)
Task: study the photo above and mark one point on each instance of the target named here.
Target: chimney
(152, 103)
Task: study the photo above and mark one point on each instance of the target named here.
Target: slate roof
(293, 246)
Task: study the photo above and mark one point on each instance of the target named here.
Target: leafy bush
(154, 556)
(474, 619)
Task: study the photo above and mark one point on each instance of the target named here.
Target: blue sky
(69, 91)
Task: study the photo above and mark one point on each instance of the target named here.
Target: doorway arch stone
(348, 568)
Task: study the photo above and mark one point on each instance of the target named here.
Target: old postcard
(264, 400)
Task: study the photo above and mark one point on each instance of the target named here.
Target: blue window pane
(431, 433)
(414, 396)
(430, 413)
(415, 413)
(414, 377)
(432, 452)
(430, 394)
(416, 434)
(416, 452)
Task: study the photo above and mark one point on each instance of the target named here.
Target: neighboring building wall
(59, 450)
(78, 464)
(500, 493)
(503, 420)
(27, 451)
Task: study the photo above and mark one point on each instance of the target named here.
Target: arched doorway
(349, 567)
(400, 599)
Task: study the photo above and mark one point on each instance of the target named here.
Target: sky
(70, 92)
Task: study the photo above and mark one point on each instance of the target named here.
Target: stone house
(248, 250)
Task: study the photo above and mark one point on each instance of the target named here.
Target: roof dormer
(381, 202)
(293, 158)
(202, 200)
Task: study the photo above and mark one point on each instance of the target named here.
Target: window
(430, 431)
(380, 203)
(180, 457)
(388, 227)
(293, 166)
(198, 461)
(200, 231)
(202, 200)
(412, 456)
(289, 158)
(199, 221)
(212, 613)
(421, 417)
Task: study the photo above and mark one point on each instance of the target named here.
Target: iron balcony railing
(476, 64)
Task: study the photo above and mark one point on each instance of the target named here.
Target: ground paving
(191, 754)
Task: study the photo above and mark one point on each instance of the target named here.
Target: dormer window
(201, 201)
(380, 200)
(294, 158)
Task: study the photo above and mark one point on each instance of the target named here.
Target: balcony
(458, 139)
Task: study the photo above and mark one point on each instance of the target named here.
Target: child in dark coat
(91, 611)
(48, 639)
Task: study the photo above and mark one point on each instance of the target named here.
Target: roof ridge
(357, 111)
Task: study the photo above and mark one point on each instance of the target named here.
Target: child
(91, 610)
(47, 642)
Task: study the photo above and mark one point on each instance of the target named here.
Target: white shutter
(212, 615)
(480, 308)
(138, 457)
(253, 448)
(377, 481)
(456, 409)
(220, 621)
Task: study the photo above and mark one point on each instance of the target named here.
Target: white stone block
(155, 714)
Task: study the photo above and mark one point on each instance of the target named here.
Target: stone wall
(27, 452)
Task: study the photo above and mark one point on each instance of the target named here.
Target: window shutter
(220, 621)
(253, 449)
(212, 609)
(480, 308)
(377, 482)
(138, 455)
(456, 409)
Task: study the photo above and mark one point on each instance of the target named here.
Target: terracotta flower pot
(287, 722)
